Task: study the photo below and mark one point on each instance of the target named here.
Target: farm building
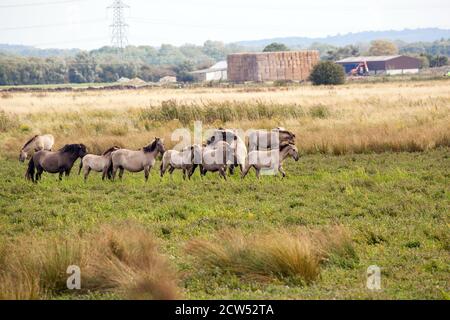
(271, 66)
(168, 79)
(216, 73)
(383, 64)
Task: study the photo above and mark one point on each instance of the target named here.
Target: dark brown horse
(60, 161)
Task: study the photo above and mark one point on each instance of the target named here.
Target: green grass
(395, 205)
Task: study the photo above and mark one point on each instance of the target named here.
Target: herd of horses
(223, 151)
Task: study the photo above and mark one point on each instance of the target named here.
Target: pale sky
(85, 23)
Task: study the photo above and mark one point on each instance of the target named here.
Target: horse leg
(60, 175)
(146, 173)
(184, 173)
(231, 169)
(163, 169)
(282, 171)
(223, 173)
(258, 172)
(244, 172)
(121, 169)
(39, 171)
(114, 173)
(191, 172)
(87, 171)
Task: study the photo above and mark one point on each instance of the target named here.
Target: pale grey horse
(136, 161)
(37, 143)
(236, 143)
(97, 163)
(183, 160)
(216, 157)
(270, 159)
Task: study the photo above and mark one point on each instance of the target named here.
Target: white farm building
(217, 72)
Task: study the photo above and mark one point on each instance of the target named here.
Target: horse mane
(151, 147)
(72, 148)
(110, 150)
(284, 146)
(286, 131)
(29, 141)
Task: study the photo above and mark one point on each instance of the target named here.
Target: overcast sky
(85, 23)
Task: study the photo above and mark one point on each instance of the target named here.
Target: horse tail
(81, 166)
(30, 171)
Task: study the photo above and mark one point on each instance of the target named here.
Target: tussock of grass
(115, 258)
(278, 254)
(35, 268)
(125, 258)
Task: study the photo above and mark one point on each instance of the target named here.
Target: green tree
(438, 61)
(341, 53)
(327, 72)
(382, 48)
(275, 46)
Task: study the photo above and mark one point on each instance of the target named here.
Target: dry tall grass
(354, 118)
(278, 254)
(122, 259)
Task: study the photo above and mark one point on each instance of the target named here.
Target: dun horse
(263, 140)
(60, 161)
(215, 158)
(236, 144)
(270, 159)
(136, 161)
(97, 163)
(183, 160)
(37, 143)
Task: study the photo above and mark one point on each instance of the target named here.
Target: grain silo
(271, 66)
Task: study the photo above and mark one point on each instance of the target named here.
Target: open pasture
(371, 188)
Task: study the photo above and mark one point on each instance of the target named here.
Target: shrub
(327, 72)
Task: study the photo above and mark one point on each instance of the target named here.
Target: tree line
(107, 64)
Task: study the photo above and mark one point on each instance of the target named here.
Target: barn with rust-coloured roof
(396, 64)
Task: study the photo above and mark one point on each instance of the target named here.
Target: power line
(53, 25)
(119, 26)
(33, 4)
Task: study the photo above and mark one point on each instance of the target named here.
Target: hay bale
(271, 66)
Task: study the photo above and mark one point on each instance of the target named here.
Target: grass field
(372, 188)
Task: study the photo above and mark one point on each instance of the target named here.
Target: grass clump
(120, 259)
(279, 254)
(125, 259)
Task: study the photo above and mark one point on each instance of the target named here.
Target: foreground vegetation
(393, 206)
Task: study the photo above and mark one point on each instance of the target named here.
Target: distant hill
(407, 35)
(28, 51)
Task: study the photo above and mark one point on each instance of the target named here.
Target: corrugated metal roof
(368, 59)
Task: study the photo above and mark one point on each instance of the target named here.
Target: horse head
(157, 145)
(23, 156)
(293, 151)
